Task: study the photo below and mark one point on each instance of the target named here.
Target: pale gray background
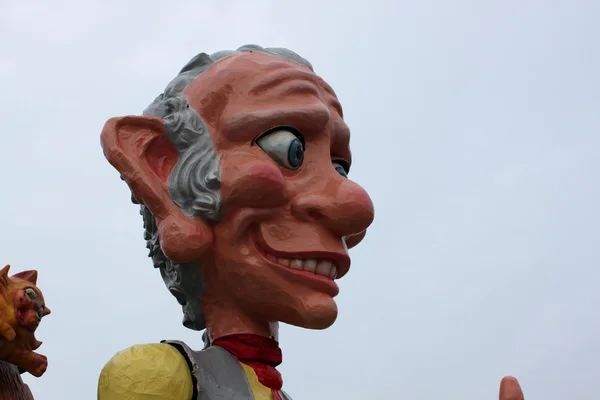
(476, 129)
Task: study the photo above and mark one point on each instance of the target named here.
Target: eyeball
(30, 293)
(340, 169)
(284, 147)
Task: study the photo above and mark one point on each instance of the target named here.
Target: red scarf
(261, 353)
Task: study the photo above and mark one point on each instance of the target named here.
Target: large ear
(138, 147)
(29, 276)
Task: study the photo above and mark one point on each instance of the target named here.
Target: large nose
(341, 206)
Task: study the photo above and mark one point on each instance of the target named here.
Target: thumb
(510, 389)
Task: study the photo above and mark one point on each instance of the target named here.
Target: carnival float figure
(240, 169)
(22, 308)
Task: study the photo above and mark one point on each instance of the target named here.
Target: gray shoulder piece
(188, 354)
(218, 374)
(286, 396)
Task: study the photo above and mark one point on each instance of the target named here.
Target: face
(29, 308)
(290, 211)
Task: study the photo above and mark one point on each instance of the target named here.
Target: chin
(316, 314)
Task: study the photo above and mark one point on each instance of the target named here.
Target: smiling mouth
(324, 268)
(316, 266)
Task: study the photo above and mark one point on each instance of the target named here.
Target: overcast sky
(476, 130)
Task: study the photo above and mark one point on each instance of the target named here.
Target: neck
(224, 318)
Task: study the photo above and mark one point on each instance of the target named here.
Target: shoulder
(157, 370)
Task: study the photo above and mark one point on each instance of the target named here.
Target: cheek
(252, 183)
(23, 302)
(28, 317)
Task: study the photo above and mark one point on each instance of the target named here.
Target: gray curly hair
(194, 182)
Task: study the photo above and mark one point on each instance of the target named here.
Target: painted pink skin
(298, 214)
(308, 211)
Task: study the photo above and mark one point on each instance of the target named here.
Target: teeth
(284, 261)
(310, 265)
(333, 273)
(324, 267)
(296, 264)
(319, 267)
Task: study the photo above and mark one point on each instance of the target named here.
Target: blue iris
(296, 153)
(341, 171)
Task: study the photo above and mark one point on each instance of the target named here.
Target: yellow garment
(144, 372)
(259, 391)
(157, 372)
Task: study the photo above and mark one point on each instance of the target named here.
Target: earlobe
(138, 147)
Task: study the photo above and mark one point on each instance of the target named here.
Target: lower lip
(317, 282)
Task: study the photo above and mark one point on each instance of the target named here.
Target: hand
(510, 389)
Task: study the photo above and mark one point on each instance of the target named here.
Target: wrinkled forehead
(248, 80)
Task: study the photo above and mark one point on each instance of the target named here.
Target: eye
(341, 168)
(283, 146)
(40, 312)
(30, 293)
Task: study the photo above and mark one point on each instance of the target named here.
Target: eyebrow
(337, 106)
(334, 102)
(313, 117)
(341, 141)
